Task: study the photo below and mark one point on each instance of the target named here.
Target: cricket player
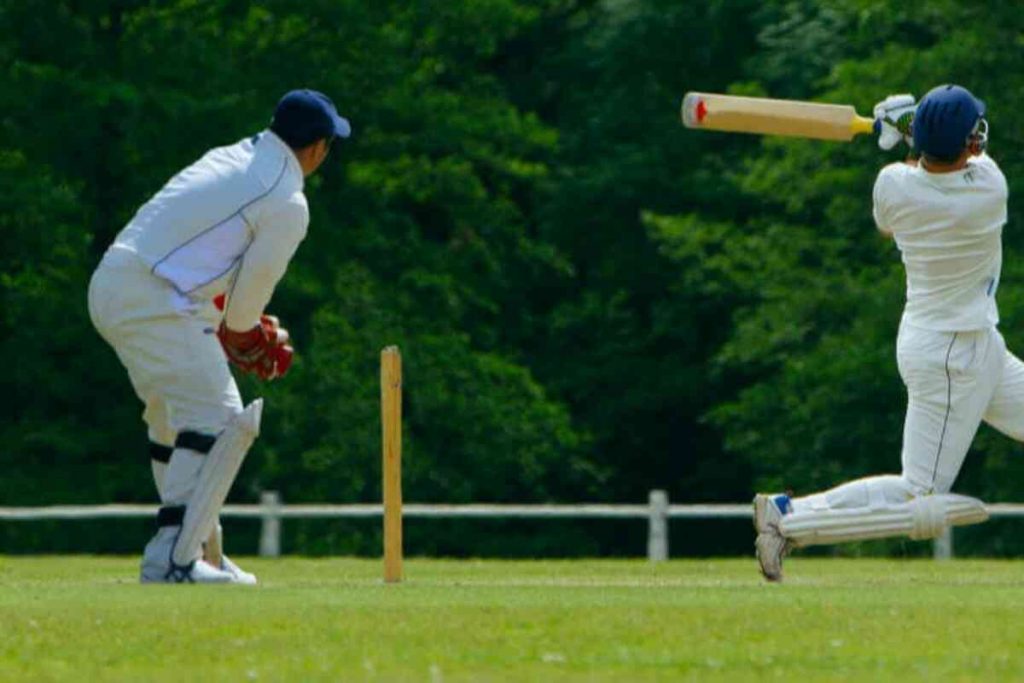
(182, 291)
(946, 212)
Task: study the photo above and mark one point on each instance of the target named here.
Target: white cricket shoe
(241, 576)
(157, 566)
(771, 545)
(197, 572)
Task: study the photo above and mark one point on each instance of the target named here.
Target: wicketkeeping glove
(895, 114)
(262, 350)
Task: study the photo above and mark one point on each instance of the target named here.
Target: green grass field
(85, 619)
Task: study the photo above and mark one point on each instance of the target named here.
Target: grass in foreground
(85, 619)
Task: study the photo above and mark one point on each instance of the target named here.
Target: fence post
(657, 526)
(270, 533)
(942, 546)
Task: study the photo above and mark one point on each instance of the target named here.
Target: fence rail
(272, 511)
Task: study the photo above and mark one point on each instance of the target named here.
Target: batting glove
(895, 115)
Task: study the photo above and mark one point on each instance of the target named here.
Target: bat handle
(862, 124)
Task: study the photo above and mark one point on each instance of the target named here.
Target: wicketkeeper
(182, 291)
(946, 212)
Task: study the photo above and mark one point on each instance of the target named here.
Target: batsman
(181, 292)
(945, 208)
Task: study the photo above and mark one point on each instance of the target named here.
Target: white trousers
(173, 357)
(954, 381)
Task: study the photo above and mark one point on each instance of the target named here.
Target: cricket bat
(764, 116)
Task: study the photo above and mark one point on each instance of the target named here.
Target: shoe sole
(768, 576)
(760, 512)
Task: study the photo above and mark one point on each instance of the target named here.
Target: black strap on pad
(194, 441)
(160, 453)
(170, 515)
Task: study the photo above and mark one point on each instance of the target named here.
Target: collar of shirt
(271, 141)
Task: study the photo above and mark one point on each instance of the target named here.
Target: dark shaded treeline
(591, 301)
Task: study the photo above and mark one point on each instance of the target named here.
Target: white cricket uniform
(227, 224)
(951, 357)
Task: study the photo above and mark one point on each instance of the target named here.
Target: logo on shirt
(969, 176)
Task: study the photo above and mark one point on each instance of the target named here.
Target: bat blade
(764, 116)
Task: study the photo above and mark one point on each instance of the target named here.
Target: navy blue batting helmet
(944, 119)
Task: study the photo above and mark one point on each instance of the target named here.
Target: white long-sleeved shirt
(948, 227)
(229, 223)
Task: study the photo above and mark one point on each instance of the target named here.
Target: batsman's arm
(879, 205)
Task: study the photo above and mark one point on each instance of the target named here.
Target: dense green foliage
(591, 301)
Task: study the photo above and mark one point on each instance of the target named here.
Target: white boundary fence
(272, 511)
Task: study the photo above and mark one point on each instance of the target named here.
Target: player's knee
(232, 405)
(914, 487)
(212, 419)
(231, 413)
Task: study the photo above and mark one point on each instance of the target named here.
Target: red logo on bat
(701, 110)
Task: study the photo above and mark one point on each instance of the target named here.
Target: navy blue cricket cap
(944, 119)
(304, 116)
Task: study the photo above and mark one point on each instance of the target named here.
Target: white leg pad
(919, 518)
(218, 473)
(159, 470)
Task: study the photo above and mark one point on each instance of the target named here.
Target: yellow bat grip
(862, 124)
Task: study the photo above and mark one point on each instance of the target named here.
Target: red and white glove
(262, 350)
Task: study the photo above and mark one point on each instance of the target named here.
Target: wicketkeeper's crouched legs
(179, 372)
(159, 457)
(195, 485)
